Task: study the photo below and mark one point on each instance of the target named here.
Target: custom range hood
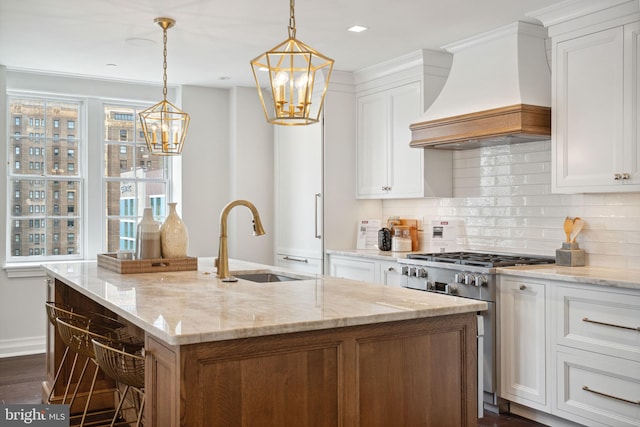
(498, 92)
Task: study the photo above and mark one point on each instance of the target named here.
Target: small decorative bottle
(174, 235)
(148, 237)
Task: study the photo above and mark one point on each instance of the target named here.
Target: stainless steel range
(468, 275)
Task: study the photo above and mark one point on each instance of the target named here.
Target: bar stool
(123, 362)
(55, 310)
(77, 334)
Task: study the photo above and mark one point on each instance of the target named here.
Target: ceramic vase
(174, 235)
(148, 244)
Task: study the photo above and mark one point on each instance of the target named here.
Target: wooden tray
(111, 262)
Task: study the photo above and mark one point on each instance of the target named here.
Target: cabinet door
(632, 103)
(390, 274)
(406, 175)
(298, 190)
(588, 110)
(351, 268)
(372, 147)
(523, 342)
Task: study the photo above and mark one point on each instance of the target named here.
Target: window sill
(28, 269)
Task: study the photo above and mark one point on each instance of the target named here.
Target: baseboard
(22, 346)
(541, 417)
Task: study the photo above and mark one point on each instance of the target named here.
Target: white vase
(148, 237)
(174, 235)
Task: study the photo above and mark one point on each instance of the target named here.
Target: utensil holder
(570, 255)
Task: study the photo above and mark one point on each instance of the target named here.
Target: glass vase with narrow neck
(174, 235)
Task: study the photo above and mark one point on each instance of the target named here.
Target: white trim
(23, 269)
(22, 346)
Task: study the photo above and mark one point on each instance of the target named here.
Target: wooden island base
(419, 372)
(411, 373)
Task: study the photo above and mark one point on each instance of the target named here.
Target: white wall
(503, 195)
(251, 176)
(205, 171)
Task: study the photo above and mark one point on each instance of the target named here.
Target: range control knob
(480, 280)
(469, 278)
(422, 272)
(405, 270)
(458, 278)
(413, 271)
(452, 290)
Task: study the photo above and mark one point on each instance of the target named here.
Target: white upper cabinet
(387, 103)
(387, 166)
(595, 102)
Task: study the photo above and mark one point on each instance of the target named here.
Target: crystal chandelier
(292, 80)
(164, 125)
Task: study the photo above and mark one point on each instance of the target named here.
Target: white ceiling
(218, 38)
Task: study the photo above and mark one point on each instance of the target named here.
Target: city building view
(47, 176)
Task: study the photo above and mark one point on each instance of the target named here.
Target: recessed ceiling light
(357, 29)
(224, 78)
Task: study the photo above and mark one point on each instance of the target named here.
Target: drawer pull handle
(599, 393)
(631, 328)
(523, 287)
(288, 258)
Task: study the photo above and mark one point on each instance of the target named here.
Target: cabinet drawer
(603, 322)
(299, 263)
(597, 390)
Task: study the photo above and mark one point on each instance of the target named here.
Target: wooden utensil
(577, 228)
(568, 227)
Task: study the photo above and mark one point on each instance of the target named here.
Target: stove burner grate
(481, 259)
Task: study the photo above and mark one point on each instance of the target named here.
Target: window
(60, 181)
(128, 187)
(16, 121)
(42, 176)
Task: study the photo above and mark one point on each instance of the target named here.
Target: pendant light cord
(292, 20)
(164, 63)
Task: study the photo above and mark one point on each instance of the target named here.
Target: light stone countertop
(194, 306)
(602, 276)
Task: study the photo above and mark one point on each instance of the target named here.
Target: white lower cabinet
(299, 263)
(390, 274)
(523, 326)
(571, 350)
(597, 354)
(597, 390)
(365, 269)
(362, 269)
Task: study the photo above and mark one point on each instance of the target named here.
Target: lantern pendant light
(292, 80)
(164, 125)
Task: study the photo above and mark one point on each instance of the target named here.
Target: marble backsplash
(503, 197)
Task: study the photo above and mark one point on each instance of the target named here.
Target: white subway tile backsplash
(503, 195)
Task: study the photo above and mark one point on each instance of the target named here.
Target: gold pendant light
(164, 125)
(292, 80)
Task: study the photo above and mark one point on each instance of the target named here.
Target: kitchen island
(318, 351)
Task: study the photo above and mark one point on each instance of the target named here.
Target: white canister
(401, 244)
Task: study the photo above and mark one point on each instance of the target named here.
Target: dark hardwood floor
(21, 378)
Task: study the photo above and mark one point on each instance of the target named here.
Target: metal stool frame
(55, 310)
(125, 363)
(77, 334)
